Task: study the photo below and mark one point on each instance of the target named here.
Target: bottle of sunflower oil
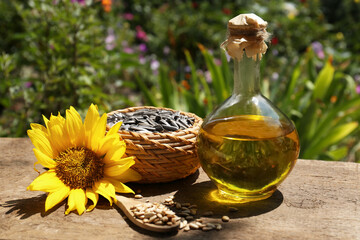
(247, 146)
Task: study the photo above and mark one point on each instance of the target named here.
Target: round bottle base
(222, 195)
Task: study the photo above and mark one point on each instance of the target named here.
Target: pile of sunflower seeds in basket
(151, 120)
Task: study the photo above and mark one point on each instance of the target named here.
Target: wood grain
(319, 200)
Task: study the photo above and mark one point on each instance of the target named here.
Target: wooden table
(319, 200)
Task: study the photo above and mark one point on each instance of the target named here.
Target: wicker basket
(162, 157)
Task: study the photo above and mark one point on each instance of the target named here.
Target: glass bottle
(247, 146)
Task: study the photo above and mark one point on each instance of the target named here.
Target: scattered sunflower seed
(225, 218)
(208, 213)
(138, 196)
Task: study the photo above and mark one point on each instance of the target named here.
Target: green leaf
(323, 81)
(149, 98)
(208, 95)
(166, 88)
(333, 136)
(326, 122)
(338, 153)
(306, 125)
(217, 78)
(194, 79)
(294, 77)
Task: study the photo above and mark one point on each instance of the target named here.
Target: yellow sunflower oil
(247, 156)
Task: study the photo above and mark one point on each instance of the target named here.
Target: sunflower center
(79, 167)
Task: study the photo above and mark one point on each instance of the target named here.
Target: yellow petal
(41, 142)
(106, 144)
(43, 159)
(118, 169)
(109, 144)
(57, 134)
(106, 189)
(115, 152)
(46, 182)
(46, 121)
(40, 127)
(74, 127)
(114, 129)
(120, 187)
(56, 197)
(98, 133)
(93, 196)
(91, 120)
(77, 201)
(129, 175)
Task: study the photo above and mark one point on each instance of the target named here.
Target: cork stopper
(247, 32)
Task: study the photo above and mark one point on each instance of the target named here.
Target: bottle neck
(246, 76)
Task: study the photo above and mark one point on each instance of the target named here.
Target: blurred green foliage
(56, 53)
(58, 59)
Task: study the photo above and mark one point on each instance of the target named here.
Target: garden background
(57, 53)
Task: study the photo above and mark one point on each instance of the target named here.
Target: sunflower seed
(151, 120)
(225, 218)
(183, 224)
(149, 214)
(218, 227)
(138, 196)
(170, 128)
(193, 211)
(205, 229)
(208, 213)
(194, 226)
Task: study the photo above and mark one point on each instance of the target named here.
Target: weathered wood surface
(319, 200)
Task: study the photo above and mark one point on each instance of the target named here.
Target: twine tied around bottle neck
(246, 33)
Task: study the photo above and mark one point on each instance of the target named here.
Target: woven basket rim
(197, 121)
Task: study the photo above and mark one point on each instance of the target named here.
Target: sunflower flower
(83, 160)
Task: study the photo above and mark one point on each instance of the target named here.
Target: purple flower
(187, 69)
(275, 52)
(81, 2)
(128, 50)
(128, 16)
(275, 76)
(142, 47)
(141, 34)
(358, 89)
(28, 84)
(154, 65)
(142, 59)
(166, 50)
(217, 61)
(208, 77)
(110, 40)
(318, 49)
